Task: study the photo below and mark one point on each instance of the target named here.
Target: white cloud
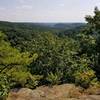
(1, 8)
(22, 1)
(26, 7)
(62, 5)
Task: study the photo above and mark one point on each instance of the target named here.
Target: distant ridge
(49, 25)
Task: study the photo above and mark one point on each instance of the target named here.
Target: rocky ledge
(59, 92)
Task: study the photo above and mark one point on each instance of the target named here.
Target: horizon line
(42, 21)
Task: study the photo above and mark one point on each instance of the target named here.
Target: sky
(46, 10)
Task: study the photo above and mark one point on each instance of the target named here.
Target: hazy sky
(46, 10)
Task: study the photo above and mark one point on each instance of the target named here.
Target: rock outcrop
(59, 92)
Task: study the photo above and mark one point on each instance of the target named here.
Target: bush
(84, 77)
(54, 78)
(33, 81)
(4, 86)
(25, 79)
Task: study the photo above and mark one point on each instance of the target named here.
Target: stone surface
(59, 92)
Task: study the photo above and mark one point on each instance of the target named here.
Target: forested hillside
(32, 55)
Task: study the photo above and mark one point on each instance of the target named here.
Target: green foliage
(84, 77)
(33, 81)
(14, 64)
(4, 86)
(25, 79)
(94, 28)
(54, 78)
(94, 22)
(54, 54)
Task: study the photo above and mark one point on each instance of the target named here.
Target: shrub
(33, 81)
(54, 78)
(84, 77)
(25, 79)
(4, 86)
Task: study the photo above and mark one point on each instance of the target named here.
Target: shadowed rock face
(60, 92)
